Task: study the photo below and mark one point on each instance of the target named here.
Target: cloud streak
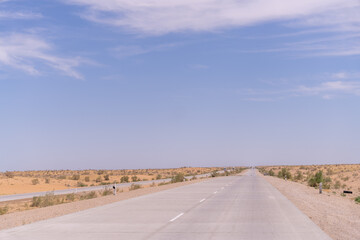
(24, 51)
(156, 17)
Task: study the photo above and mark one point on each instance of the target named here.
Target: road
(6, 198)
(236, 207)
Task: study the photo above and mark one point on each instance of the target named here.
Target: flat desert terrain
(38, 181)
(335, 178)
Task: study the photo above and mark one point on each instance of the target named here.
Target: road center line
(215, 192)
(176, 217)
(202, 200)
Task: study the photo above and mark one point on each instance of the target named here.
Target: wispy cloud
(331, 88)
(134, 50)
(9, 15)
(335, 85)
(25, 52)
(19, 15)
(156, 17)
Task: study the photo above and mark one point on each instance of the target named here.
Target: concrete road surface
(237, 207)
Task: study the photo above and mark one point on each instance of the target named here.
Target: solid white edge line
(176, 217)
(202, 200)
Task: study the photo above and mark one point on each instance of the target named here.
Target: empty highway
(236, 207)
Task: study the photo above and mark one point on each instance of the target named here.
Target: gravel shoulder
(339, 217)
(21, 218)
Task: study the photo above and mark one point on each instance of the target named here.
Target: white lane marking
(202, 200)
(176, 217)
(215, 192)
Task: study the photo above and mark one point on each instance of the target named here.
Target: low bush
(35, 181)
(88, 195)
(124, 179)
(47, 180)
(134, 187)
(75, 177)
(299, 176)
(178, 178)
(163, 183)
(44, 201)
(106, 177)
(106, 192)
(70, 197)
(284, 173)
(9, 174)
(81, 184)
(271, 173)
(315, 180)
(357, 199)
(134, 178)
(87, 179)
(98, 179)
(4, 210)
(337, 184)
(158, 176)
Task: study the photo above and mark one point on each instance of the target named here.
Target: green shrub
(357, 199)
(134, 178)
(98, 179)
(44, 201)
(134, 187)
(4, 210)
(47, 180)
(107, 192)
(163, 183)
(124, 179)
(75, 177)
(9, 174)
(158, 177)
(87, 179)
(80, 184)
(271, 173)
(70, 197)
(178, 178)
(88, 195)
(315, 180)
(35, 181)
(337, 184)
(284, 173)
(106, 177)
(299, 176)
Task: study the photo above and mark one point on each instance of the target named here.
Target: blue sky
(156, 84)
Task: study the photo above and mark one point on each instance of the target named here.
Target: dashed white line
(215, 192)
(202, 200)
(176, 217)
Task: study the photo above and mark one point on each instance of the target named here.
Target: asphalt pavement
(234, 207)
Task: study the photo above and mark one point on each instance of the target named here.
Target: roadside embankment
(339, 217)
(25, 217)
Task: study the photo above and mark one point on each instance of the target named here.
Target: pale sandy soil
(338, 216)
(22, 181)
(20, 218)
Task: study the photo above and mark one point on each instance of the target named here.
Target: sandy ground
(29, 216)
(339, 217)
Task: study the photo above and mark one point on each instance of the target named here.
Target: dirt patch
(20, 218)
(338, 216)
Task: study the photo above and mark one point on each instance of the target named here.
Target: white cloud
(24, 51)
(157, 17)
(332, 87)
(19, 15)
(133, 50)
